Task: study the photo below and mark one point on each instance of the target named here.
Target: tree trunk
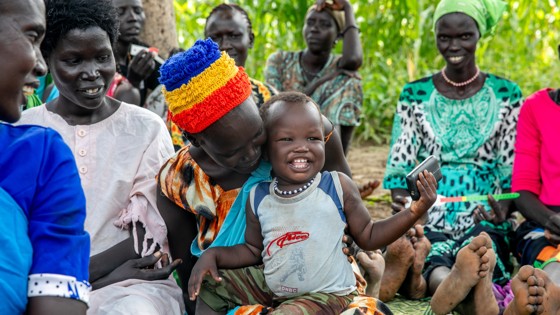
(159, 29)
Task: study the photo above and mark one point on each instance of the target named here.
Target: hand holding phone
(430, 164)
(136, 49)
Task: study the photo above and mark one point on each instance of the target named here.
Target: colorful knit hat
(201, 85)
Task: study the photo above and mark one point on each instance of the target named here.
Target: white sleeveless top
(303, 238)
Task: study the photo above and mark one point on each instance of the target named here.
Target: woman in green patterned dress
(467, 119)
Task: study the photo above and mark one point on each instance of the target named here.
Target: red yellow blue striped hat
(201, 85)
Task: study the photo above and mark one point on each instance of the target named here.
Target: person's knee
(130, 305)
(553, 271)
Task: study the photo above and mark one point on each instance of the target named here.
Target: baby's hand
(206, 264)
(427, 186)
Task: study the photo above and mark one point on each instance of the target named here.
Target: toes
(411, 232)
(419, 230)
(479, 244)
(487, 239)
(526, 272)
(531, 308)
(542, 277)
(532, 281)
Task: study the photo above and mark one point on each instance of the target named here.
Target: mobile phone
(431, 164)
(136, 49)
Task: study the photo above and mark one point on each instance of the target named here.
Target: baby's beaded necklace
(290, 192)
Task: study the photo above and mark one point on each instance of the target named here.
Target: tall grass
(399, 45)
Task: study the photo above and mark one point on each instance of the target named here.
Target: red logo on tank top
(288, 239)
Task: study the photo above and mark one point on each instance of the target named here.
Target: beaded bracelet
(347, 28)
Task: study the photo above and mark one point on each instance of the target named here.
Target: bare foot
(368, 188)
(483, 300)
(398, 259)
(373, 264)
(528, 292)
(472, 264)
(414, 286)
(551, 295)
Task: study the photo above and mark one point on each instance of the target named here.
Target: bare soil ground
(367, 163)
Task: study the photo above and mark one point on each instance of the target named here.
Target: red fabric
(215, 106)
(118, 79)
(536, 167)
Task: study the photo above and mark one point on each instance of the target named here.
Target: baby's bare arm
(370, 235)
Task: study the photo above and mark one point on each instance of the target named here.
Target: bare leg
(553, 272)
(414, 286)
(473, 263)
(398, 259)
(528, 292)
(373, 264)
(482, 299)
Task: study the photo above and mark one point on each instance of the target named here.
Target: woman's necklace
(307, 72)
(459, 84)
(290, 192)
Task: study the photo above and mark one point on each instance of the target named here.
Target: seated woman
(330, 80)
(212, 176)
(118, 148)
(467, 119)
(535, 178)
(42, 204)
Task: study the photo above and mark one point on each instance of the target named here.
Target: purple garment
(503, 295)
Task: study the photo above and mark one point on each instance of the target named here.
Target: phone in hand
(136, 49)
(431, 164)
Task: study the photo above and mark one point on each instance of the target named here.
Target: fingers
(553, 224)
(148, 261)
(320, 5)
(194, 286)
(164, 260)
(552, 237)
(143, 64)
(398, 204)
(174, 264)
(195, 281)
(480, 214)
(427, 186)
(493, 203)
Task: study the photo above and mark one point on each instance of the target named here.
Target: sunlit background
(399, 46)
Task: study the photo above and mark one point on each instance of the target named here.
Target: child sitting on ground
(295, 225)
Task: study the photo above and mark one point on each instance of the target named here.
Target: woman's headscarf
(338, 16)
(486, 13)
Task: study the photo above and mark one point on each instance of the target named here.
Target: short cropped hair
(291, 97)
(66, 15)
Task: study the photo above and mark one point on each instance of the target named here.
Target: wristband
(347, 28)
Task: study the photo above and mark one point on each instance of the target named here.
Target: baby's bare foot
(472, 264)
(373, 264)
(398, 259)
